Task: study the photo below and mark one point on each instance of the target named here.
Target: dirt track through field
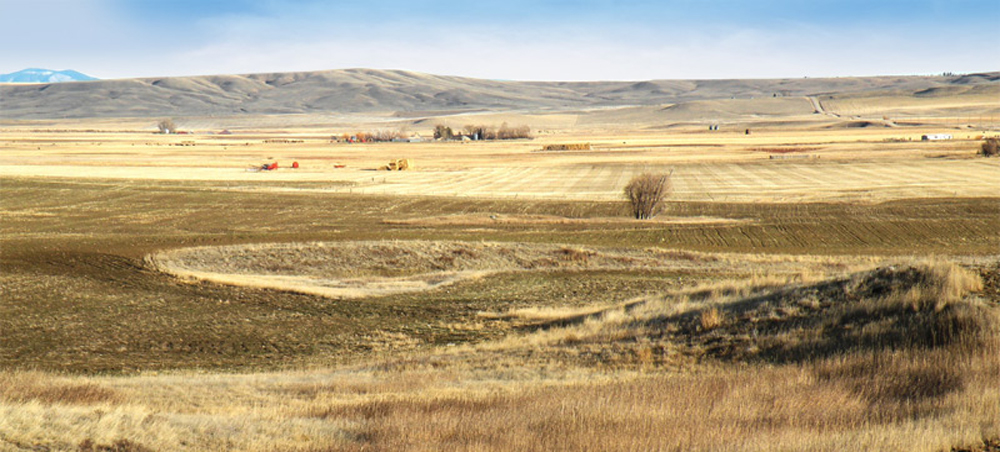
(363, 269)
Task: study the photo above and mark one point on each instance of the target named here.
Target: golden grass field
(806, 161)
(156, 295)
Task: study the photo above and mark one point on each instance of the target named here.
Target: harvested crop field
(757, 181)
(858, 166)
(736, 182)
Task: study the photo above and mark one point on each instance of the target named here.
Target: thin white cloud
(95, 38)
(556, 54)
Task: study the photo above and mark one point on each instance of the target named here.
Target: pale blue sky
(514, 39)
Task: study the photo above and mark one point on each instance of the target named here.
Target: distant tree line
(441, 132)
(376, 136)
(482, 132)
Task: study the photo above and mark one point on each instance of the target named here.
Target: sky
(554, 40)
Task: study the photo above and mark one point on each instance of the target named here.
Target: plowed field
(78, 296)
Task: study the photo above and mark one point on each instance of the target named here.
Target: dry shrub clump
(711, 318)
(567, 147)
(646, 193)
(990, 147)
(166, 126)
(938, 285)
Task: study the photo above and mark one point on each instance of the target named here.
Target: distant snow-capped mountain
(35, 75)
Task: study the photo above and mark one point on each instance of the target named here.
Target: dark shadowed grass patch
(31, 387)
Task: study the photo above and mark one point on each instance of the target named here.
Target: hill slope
(366, 90)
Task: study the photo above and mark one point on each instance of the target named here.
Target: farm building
(936, 137)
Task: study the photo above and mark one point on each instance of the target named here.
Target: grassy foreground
(903, 358)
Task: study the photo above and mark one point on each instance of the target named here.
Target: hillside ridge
(371, 90)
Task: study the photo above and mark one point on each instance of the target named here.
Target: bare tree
(382, 135)
(487, 132)
(167, 126)
(512, 133)
(472, 131)
(646, 193)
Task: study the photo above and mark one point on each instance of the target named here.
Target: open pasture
(74, 265)
(156, 295)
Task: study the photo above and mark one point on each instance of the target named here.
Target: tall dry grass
(835, 405)
(926, 393)
(26, 387)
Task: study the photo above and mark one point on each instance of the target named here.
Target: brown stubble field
(750, 316)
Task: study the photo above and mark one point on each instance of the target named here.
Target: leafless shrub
(382, 135)
(990, 147)
(512, 133)
(166, 126)
(646, 192)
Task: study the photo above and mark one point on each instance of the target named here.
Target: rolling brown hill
(367, 90)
